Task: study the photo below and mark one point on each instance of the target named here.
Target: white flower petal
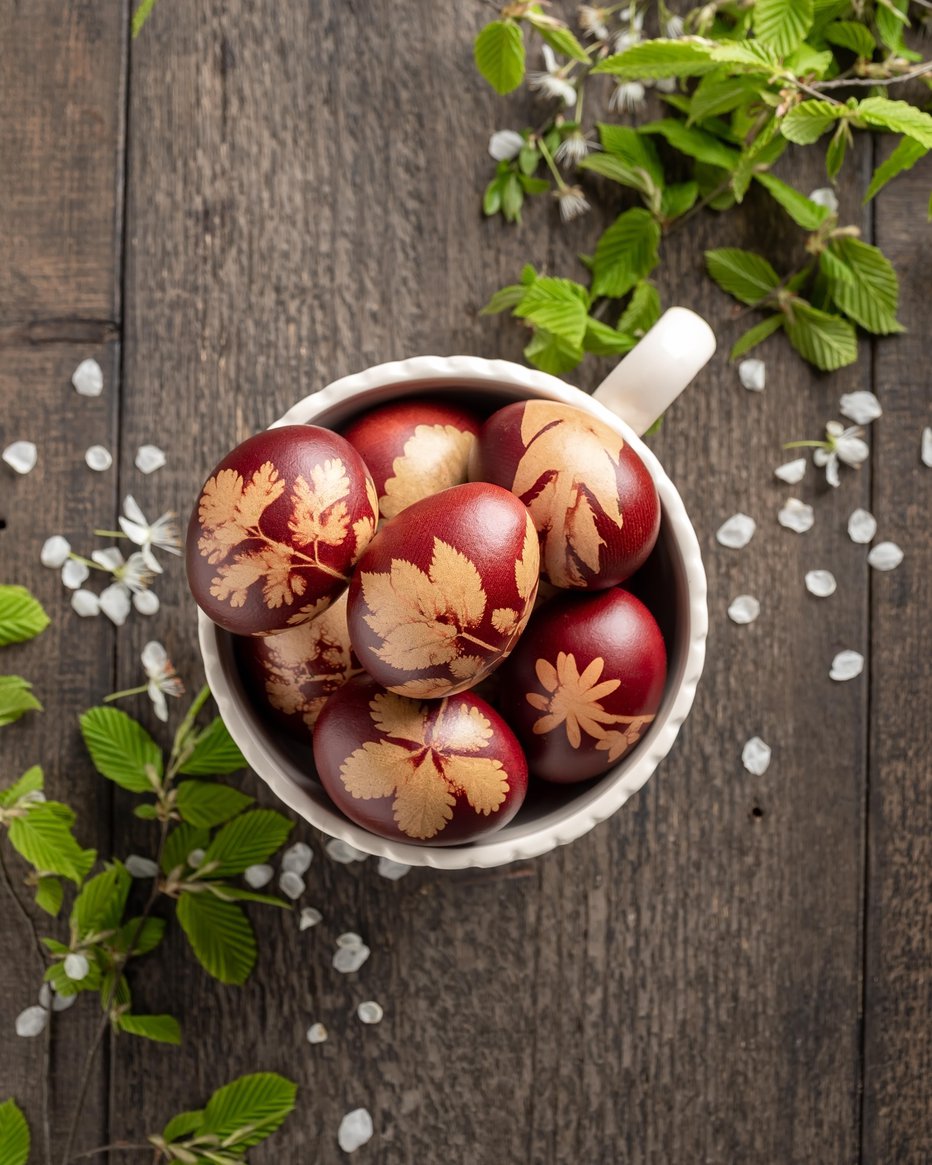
(74, 573)
(316, 1033)
(925, 448)
(885, 556)
(76, 966)
(98, 458)
(133, 512)
(309, 917)
(846, 665)
(820, 583)
(258, 876)
(154, 658)
(862, 526)
(45, 996)
(825, 196)
(346, 960)
(88, 379)
(62, 1002)
(792, 472)
(370, 1011)
(505, 144)
(146, 602)
(149, 458)
(21, 456)
(755, 756)
(85, 604)
(355, 1130)
(851, 449)
(349, 938)
(736, 532)
(753, 374)
(114, 602)
(343, 852)
(297, 858)
(32, 1021)
(392, 870)
(159, 703)
(665, 85)
(744, 609)
(291, 884)
(550, 61)
(796, 516)
(195, 857)
(109, 558)
(627, 97)
(860, 407)
(55, 551)
(831, 471)
(141, 867)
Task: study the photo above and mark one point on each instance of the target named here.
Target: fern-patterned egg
(277, 529)
(584, 683)
(592, 499)
(290, 675)
(443, 591)
(435, 772)
(414, 448)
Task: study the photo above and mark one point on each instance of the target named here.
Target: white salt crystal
(820, 583)
(370, 1011)
(860, 407)
(291, 884)
(21, 456)
(862, 526)
(32, 1021)
(114, 602)
(755, 756)
(355, 1130)
(346, 960)
(88, 379)
(98, 458)
(752, 374)
(146, 602)
(744, 609)
(73, 573)
(309, 917)
(885, 556)
(141, 867)
(316, 1033)
(796, 516)
(846, 665)
(55, 551)
(258, 876)
(392, 870)
(297, 858)
(792, 472)
(736, 532)
(85, 603)
(343, 852)
(149, 458)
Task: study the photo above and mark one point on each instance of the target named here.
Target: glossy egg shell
(414, 448)
(277, 528)
(442, 591)
(584, 684)
(592, 499)
(290, 675)
(437, 772)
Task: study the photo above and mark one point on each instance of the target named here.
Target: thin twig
(23, 912)
(115, 1147)
(838, 83)
(813, 91)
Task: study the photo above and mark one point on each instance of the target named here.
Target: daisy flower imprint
(161, 680)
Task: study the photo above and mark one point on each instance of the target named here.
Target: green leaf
(802, 210)
(504, 299)
(626, 253)
(871, 297)
(141, 15)
(754, 336)
(806, 61)
(743, 274)
(21, 616)
(204, 803)
(181, 841)
(693, 142)
(851, 34)
(827, 341)
(559, 306)
(642, 312)
(757, 158)
(220, 936)
(653, 59)
(247, 840)
(602, 340)
(183, 1125)
(215, 753)
(752, 55)
(618, 170)
(528, 160)
(891, 19)
(677, 199)
(151, 933)
(44, 838)
(164, 1029)
(782, 24)
(260, 1102)
(32, 781)
(49, 895)
(907, 153)
(528, 275)
(16, 699)
(499, 55)
(492, 199)
(551, 353)
(621, 141)
(512, 198)
(719, 92)
(99, 906)
(145, 812)
(121, 749)
(897, 116)
(837, 147)
(14, 1135)
(807, 122)
(533, 185)
(834, 270)
(560, 39)
(229, 893)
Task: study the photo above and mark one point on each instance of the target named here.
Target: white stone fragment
(258, 876)
(146, 602)
(860, 407)
(820, 583)
(85, 604)
(115, 604)
(862, 526)
(753, 374)
(140, 867)
(796, 516)
(73, 573)
(21, 456)
(392, 870)
(149, 458)
(32, 1021)
(825, 196)
(370, 1011)
(346, 960)
(925, 448)
(76, 966)
(297, 858)
(343, 852)
(846, 665)
(793, 471)
(98, 458)
(355, 1130)
(316, 1033)
(88, 378)
(291, 884)
(309, 917)
(885, 556)
(744, 609)
(55, 551)
(736, 532)
(195, 857)
(755, 756)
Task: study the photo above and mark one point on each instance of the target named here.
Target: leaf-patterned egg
(592, 499)
(584, 683)
(443, 591)
(290, 675)
(277, 528)
(436, 772)
(414, 448)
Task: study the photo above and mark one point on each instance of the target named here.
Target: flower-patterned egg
(584, 683)
(592, 499)
(442, 592)
(436, 772)
(290, 675)
(414, 448)
(277, 528)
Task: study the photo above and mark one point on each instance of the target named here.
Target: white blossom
(672, 27)
(162, 533)
(592, 21)
(841, 444)
(627, 97)
(163, 679)
(552, 83)
(505, 144)
(573, 202)
(825, 196)
(574, 147)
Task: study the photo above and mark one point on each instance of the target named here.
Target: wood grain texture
(898, 989)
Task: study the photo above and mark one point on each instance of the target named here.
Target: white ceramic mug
(629, 400)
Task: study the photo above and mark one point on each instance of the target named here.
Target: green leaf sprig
(21, 618)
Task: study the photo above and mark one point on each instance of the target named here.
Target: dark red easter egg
(592, 499)
(290, 675)
(433, 772)
(414, 448)
(442, 592)
(277, 528)
(584, 683)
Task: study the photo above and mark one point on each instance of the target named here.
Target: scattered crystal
(32, 1021)
(862, 526)
(195, 857)
(355, 1130)
(860, 407)
(297, 858)
(752, 374)
(736, 532)
(141, 867)
(796, 516)
(85, 603)
(309, 917)
(316, 1033)
(925, 449)
(885, 556)
(820, 583)
(744, 609)
(76, 966)
(346, 960)
(114, 603)
(755, 756)
(349, 939)
(846, 665)
(792, 472)
(825, 196)
(73, 573)
(392, 870)
(370, 1011)
(146, 602)
(98, 458)
(258, 876)
(88, 379)
(343, 852)
(149, 458)
(21, 456)
(291, 884)
(55, 551)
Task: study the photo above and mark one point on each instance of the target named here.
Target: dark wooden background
(256, 197)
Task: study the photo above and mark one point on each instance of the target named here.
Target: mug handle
(654, 373)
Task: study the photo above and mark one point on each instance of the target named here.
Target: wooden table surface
(256, 197)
